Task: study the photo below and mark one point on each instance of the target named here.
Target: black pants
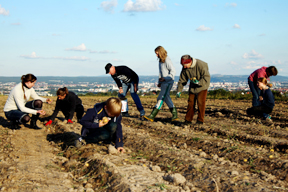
(79, 111)
(259, 110)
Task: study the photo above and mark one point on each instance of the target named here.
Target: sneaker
(14, 125)
(79, 143)
(265, 115)
(142, 113)
(268, 119)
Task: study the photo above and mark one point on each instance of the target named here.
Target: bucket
(124, 105)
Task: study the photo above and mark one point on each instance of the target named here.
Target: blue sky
(78, 38)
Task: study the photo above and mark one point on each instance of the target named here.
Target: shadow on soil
(64, 140)
(5, 123)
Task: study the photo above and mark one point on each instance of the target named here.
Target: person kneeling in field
(18, 105)
(266, 100)
(103, 123)
(67, 102)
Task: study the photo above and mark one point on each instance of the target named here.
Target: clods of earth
(229, 152)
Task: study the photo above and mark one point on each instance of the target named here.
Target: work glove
(48, 123)
(195, 81)
(178, 94)
(69, 121)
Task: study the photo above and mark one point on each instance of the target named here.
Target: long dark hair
(27, 78)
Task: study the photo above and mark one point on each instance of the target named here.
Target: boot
(152, 115)
(33, 121)
(14, 125)
(174, 114)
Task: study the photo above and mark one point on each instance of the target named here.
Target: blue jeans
(16, 115)
(164, 96)
(134, 95)
(255, 93)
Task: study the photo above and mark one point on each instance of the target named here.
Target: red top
(259, 73)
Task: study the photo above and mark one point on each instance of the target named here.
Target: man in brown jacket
(197, 72)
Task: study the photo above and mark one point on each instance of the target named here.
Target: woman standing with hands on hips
(18, 107)
(67, 102)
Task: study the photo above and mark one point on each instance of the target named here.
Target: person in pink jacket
(265, 72)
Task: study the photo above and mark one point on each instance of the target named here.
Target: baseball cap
(107, 67)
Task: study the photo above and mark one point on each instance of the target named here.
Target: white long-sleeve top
(16, 99)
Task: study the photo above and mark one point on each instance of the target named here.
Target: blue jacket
(91, 121)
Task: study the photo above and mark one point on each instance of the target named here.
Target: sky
(78, 38)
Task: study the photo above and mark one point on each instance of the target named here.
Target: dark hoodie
(67, 104)
(91, 121)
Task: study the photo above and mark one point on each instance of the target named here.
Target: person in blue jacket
(95, 129)
(266, 100)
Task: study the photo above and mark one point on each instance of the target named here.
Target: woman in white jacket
(18, 107)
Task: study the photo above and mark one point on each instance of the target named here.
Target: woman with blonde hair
(166, 79)
(266, 100)
(67, 102)
(18, 107)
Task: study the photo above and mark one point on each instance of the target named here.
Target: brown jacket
(198, 69)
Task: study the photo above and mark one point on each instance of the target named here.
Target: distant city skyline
(150, 79)
(78, 38)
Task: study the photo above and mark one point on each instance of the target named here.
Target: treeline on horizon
(107, 79)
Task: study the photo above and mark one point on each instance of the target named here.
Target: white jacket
(16, 99)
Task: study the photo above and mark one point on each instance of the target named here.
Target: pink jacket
(259, 73)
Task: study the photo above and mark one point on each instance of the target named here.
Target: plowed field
(229, 152)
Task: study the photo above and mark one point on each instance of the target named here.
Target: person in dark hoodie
(126, 79)
(67, 102)
(103, 123)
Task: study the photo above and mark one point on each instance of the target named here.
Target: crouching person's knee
(25, 119)
(112, 127)
(249, 111)
(38, 104)
(104, 136)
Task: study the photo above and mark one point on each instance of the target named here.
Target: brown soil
(230, 152)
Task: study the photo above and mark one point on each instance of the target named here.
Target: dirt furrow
(200, 167)
(252, 160)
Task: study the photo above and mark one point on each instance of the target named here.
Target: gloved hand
(48, 123)
(195, 81)
(178, 94)
(69, 121)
